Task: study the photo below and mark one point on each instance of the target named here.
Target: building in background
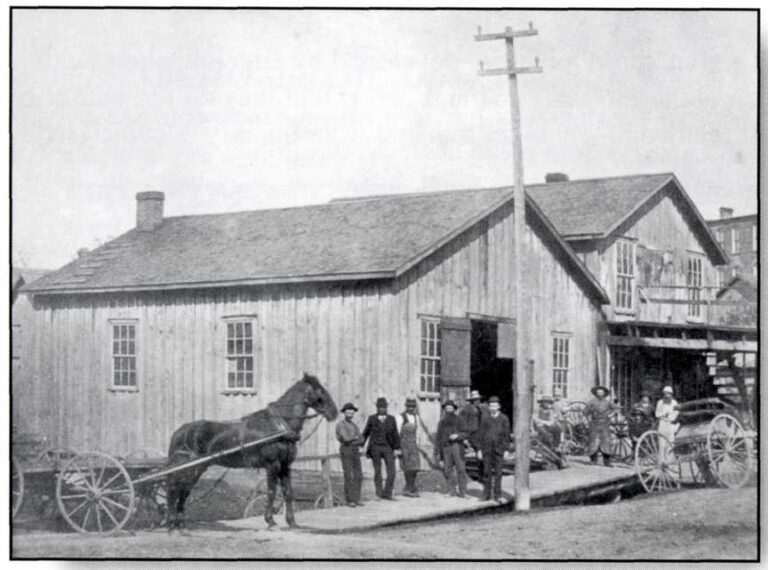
(738, 237)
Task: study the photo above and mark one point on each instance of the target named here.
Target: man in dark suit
(495, 437)
(380, 432)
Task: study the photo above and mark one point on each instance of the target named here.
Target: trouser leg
(376, 457)
(461, 470)
(487, 473)
(389, 460)
(448, 468)
(347, 468)
(498, 471)
(357, 476)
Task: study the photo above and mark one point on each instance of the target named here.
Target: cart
(711, 447)
(98, 493)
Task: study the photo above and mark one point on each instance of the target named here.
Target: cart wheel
(95, 493)
(55, 456)
(257, 506)
(621, 442)
(151, 506)
(322, 501)
(655, 463)
(577, 432)
(730, 458)
(17, 486)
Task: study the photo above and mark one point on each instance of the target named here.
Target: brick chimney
(149, 210)
(551, 177)
(726, 213)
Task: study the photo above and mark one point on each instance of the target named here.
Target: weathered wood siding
(663, 241)
(475, 274)
(361, 339)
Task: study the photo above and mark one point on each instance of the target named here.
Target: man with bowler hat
(350, 441)
(495, 437)
(383, 444)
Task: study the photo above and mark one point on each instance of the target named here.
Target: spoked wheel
(655, 463)
(728, 449)
(621, 441)
(151, 506)
(17, 487)
(577, 432)
(324, 502)
(257, 506)
(95, 493)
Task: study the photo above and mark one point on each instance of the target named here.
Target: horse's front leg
(269, 516)
(285, 482)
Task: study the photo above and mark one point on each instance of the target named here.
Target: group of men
(482, 426)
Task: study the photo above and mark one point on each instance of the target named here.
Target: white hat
(667, 389)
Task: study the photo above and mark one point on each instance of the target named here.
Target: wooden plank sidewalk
(575, 483)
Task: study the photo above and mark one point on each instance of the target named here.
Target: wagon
(98, 493)
(711, 447)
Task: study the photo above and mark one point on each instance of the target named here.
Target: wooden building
(214, 316)
(648, 246)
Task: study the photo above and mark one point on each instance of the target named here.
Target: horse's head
(318, 398)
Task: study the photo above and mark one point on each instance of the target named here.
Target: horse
(203, 437)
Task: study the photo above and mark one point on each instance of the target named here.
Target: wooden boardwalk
(577, 482)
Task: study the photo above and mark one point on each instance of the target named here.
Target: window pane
(131, 331)
(248, 347)
(249, 380)
(230, 330)
(131, 347)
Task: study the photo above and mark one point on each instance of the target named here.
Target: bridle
(305, 416)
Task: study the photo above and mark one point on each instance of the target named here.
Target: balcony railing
(682, 304)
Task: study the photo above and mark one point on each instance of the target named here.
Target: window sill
(239, 392)
(630, 312)
(123, 389)
(428, 395)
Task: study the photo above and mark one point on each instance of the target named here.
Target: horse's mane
(307, 378)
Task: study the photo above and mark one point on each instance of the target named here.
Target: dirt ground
(688, 525)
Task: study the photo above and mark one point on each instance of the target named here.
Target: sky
(240, 110)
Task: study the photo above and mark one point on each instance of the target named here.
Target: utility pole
(522, 387)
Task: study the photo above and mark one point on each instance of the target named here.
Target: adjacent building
(738, 237)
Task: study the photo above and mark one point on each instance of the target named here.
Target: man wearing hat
(599, 412)
(451, 434)
(546, 423)
(350, 441)
(383, 444)
(471, 413)
(666, 414)
(410, 462)
(495, 437)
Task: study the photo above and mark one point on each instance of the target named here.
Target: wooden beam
(684, 344)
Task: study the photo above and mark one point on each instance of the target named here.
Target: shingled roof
(356, 238)
(347, 239)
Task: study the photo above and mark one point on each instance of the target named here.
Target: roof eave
(367, 276)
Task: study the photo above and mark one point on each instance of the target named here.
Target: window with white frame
(430, 356)
(720, 237)
(734, 240)
(123, 354)
(240, 355)
(754, 237)
(561, 362)
(694, 281)
(625, 274)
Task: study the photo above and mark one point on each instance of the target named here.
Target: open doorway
(489, 374)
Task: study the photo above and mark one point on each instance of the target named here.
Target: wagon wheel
(151, 506)
(323, 502)
(257, 505)
(55, 456)
(655, 463)
(621, 441)
(17, 487)
(729, 453)
(95, 493)
(577, 428)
